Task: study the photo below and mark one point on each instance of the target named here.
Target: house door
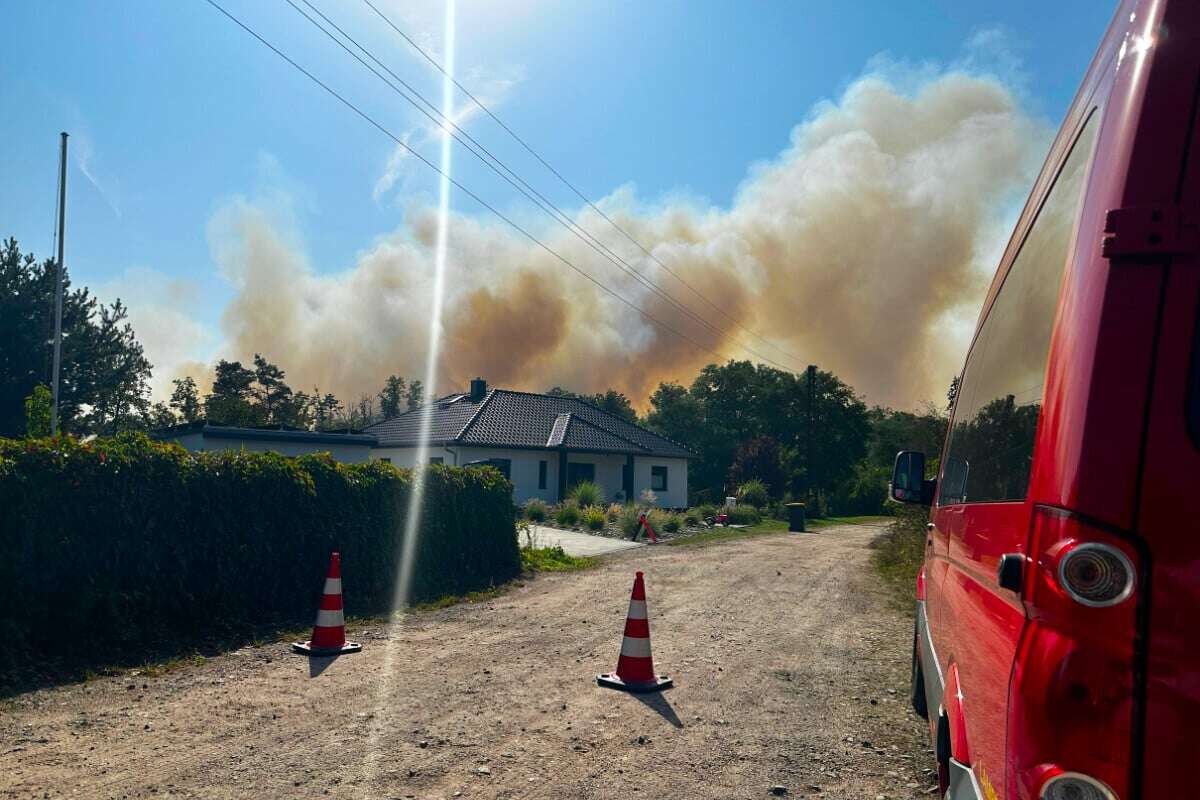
(580, 472)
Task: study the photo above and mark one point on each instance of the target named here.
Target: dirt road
(790, 667)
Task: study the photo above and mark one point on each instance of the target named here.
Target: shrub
(567, 514)
(37, 412)
(706, 511)
(671, 523)
(551, 559)
(691, 518)
(535, 510)
(594, 518)
(586, 493)
(124, 548)
(742, 515)
(754, 493)
(649, 498)
(614, 511)
(630, 520)
(657, 519)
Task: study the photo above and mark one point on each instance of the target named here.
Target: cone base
(610, 680)
(307, 649)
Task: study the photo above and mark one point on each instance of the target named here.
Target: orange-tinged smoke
(865, 247)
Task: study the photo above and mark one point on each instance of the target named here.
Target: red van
(1057, 646)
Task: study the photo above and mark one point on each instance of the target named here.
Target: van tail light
(1096, 574)
(921, 583)
(1073, 786)
(1071, 698)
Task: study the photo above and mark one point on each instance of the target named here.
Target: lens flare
(412, 521)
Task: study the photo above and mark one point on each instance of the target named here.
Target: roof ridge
(581, 401)
(606, 430)
(641, 428)
(478, 410)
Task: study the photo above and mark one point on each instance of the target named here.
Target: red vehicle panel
(1056, 649)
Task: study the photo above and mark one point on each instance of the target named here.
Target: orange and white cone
(635, 665)
(329, 631)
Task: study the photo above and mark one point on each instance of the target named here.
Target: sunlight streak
(412, 522)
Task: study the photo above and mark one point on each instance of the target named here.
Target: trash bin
(795, 517)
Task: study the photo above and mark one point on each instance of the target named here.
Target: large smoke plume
(864, 247)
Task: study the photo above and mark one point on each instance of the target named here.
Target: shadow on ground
(658, 701)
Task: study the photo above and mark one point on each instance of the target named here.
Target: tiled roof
(582, 435)
(448, 419)
(505, 418)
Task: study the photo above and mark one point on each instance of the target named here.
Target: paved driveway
(580, 544)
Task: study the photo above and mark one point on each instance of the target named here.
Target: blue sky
(175, 113)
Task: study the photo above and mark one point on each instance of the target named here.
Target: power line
(506, 173)
(377, 125)
(572, 187)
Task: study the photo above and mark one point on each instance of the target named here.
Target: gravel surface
(791, 677)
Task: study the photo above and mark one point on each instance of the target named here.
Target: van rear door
(1167, 518)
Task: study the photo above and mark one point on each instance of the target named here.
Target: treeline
(261, 397)
(825, 447)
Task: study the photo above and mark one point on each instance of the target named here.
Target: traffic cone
(635, 665)
(329, 631)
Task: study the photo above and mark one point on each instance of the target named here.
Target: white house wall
(524, 470)
(406, 456)
(677, 480)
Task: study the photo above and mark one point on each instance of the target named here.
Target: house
(544, 444)
(202, 437)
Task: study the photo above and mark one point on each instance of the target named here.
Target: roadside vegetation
(899, 551)
(537, 558)
(552, 559)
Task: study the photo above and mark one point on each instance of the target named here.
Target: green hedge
(118, 548)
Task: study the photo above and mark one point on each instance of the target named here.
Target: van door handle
(1010, 571)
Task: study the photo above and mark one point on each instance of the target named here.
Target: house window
(580, 472)
(658, 479)
(542, 474)
(386, 460)
(437, 460)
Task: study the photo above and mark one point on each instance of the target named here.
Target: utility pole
(58, 290)
(808, 462)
